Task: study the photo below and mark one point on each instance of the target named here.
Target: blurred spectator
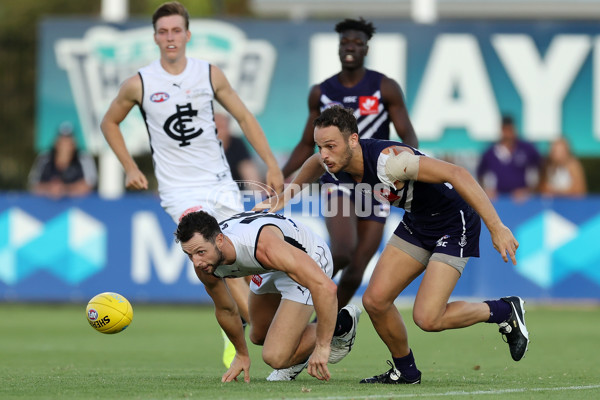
(238, 157)
(562, 173)
(64, 171)
(511, 166)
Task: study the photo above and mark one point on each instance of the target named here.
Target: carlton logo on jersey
(368, 105)
(178, 126)
(159, 97)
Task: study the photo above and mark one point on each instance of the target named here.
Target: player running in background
(376, 100)
(291, 268)
(175, 95)
(438, 234)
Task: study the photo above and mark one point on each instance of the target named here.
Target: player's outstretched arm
(274, 252)
(311, 170)
(229, 319)
(229, 99)
(306, 147)
(129, 95)
(437, 171)
(391, 93)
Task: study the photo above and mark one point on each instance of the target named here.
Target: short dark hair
(171, 8)
(340, 117)
(197, 222)
(356, 25)
(507, 120)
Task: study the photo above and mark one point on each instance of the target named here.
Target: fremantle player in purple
(438, 234)
(376, 100)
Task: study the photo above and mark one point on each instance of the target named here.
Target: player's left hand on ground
(317, 363)
(504, 242)
(239, 364)
(274, 179)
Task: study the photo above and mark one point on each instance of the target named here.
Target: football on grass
(109, 312)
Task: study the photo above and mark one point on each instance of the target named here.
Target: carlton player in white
(175, 95)
(292, 278)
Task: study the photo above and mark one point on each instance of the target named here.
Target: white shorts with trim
(279, 282)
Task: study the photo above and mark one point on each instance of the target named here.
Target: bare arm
(311, 170)
(228, 317)
(306, 147)
(391, 93)
(129, 95)
(273, 252)
(229, 99)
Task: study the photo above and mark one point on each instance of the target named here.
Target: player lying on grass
(437, 235)
(291, 268)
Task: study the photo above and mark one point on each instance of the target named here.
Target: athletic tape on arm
(402, 167)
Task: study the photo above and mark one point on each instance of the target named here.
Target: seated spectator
(64, 171)
(510, 166)
(562, 173)
(238, 157)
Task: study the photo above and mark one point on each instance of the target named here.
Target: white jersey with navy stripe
(244, 229)
(178, 112)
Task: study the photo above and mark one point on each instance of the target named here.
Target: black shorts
(456, 234)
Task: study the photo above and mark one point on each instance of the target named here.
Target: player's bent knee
(373, 304)
(427, 323)
(275, 359)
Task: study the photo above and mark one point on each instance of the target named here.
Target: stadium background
(69, 250)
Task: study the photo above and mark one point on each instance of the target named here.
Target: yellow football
(109, 312)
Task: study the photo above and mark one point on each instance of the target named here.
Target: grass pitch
(174, 352)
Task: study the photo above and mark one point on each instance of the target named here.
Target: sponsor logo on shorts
(442, 242)
(301, 288)
(463, 241)
(257, 279)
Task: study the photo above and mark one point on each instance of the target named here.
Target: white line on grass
(456, 393)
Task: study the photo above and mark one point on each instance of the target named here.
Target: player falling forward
(291, 268)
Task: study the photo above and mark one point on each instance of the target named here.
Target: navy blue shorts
(456, 234)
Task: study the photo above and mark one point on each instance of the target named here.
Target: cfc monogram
(176, 126)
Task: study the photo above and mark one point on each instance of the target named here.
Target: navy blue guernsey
(364, 98)
(426, 204)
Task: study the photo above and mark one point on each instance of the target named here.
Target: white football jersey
(178, 112)
(243, 230)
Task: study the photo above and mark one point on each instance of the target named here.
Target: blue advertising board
(72, 249)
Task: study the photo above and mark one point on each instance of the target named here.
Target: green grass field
(174, 352)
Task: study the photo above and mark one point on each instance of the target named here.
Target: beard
(345, 158)
(220, 257)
